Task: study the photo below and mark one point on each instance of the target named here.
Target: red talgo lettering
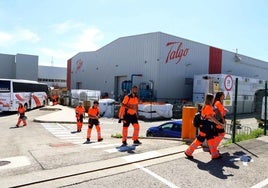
(79, 64)
(176, 54)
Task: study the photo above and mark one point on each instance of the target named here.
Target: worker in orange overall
(55, 99)
(206, 130)
(130, 115)
(22, 117)
(93, 119)
(79, 114)
(220, 111)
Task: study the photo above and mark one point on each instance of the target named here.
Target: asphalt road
(50, 155)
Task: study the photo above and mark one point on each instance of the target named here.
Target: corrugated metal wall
(27, 67)
(167, 61)
(7, 66)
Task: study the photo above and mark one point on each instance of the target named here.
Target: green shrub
(241, 137)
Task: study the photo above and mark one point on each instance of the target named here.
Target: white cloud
(59, 57)
(14, 37)
(5, 38)
(66, 26)
(26, 35)
(88, 40)
(81, 37)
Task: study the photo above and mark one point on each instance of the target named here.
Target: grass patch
(116, 135)
(241, 137)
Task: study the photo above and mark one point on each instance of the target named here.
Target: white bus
(14, 91)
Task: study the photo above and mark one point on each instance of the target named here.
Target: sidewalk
(60, 114)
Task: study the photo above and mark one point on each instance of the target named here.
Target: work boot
(124, 143)
(137, 142)
(219, 157)
(188, 156)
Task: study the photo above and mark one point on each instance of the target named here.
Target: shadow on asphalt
(129, 149)
(216, 167)
(15, 127)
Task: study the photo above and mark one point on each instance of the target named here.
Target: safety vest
(93, 111)
(207, 111)
(80, 110)
(220, 107)
(21, 110)
(131, 101)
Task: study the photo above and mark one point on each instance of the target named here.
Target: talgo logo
(176, 51)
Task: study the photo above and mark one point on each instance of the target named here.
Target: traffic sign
(228, 82)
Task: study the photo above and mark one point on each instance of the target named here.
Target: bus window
(4, 86)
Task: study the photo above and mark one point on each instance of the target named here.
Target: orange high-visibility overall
(206, 132)
(131, 116)
(219, 130)
(79, 113)
(93, 114)
(21, 112)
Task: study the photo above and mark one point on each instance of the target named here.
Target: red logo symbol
(177, 53)
(79, 64)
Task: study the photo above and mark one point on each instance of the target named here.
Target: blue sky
(56, 30)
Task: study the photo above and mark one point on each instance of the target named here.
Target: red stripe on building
(215, 60)
(69, 72)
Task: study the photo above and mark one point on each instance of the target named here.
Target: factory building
(23, 66)
(53, 76)
(19, 66)
(163, 66)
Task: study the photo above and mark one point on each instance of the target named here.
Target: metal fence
(240, 129)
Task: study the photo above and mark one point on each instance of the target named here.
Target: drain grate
(3, 163)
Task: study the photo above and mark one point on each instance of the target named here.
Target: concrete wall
(7, 63)
(26, 67)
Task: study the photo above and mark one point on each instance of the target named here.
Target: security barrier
(188, 129)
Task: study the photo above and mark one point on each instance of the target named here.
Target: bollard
(188, 129)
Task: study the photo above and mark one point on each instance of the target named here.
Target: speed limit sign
(228, 82)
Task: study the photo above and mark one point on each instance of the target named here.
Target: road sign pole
(235, 107)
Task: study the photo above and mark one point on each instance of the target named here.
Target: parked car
(169, 129)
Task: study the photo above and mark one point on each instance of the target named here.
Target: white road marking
(141, 156)
(15, 162)
(69, 138)
(65, 134)
(163, 180)
(261, 184)
(105, 146)
(113, 150)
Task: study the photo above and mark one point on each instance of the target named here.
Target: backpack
(197, 121)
